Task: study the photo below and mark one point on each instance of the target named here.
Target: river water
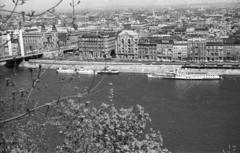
(193, 116)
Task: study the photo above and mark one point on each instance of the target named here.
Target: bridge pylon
(20, 39)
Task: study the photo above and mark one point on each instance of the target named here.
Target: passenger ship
(193, 76)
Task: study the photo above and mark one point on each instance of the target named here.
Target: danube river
(193, 116)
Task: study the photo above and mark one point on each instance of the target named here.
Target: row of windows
(174, 52)
(152, 47)
(179, 47)
(214, 47)
(127, 39)
(129, 52)
(196, 44)
(95, 39)
(30, 40)
(96, 42)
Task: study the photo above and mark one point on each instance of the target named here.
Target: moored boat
(107, 71)
(65, 70)
(85, 71)
(154, 75)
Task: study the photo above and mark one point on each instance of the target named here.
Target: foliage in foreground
(84, 128)
(103, 130)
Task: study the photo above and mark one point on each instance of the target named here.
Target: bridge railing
(34, 52)
(16, 55)
(5, 57)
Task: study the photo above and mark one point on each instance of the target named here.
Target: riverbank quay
(123, 67)
(120, 66)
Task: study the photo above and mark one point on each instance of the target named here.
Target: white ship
(85, 71)
(105, 70)
(154, 75)
(65, 70)
(193, 76)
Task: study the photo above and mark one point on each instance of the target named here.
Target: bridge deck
(9, 58)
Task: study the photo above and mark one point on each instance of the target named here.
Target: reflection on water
(185, 88)
(184, 85)
(198, 112)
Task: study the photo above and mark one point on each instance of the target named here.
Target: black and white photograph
(119, 76)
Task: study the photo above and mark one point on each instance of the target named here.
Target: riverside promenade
(122, 67)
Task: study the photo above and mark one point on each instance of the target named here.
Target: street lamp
(73, 6)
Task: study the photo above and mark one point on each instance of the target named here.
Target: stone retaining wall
(123, 67)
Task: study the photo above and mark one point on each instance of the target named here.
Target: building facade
(127, 45)
(214, 49)
(50, 38)
(228, 49)
(179, 51)
(196, 49)
(4, 48)
(201, 31)
(237, 51)
(40, 39)
(73, 38)
(147, 50)
(164, 49)
(97, 45)
(32, 40)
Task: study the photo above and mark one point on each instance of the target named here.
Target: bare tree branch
(15, 6)
(47, 104)
(51, 10)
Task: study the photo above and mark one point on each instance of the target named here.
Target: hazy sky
(45, 4)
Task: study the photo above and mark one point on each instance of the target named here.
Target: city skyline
(89, 4)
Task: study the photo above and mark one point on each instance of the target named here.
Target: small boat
(105, 70)
(65, 70)
(154, 75)
(193, 76)
(85, 71)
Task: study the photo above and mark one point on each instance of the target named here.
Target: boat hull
(85, 71)
(66, 71)
(195, 78)
(157, 76)
(107, 72)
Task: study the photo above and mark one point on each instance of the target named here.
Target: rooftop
(129, 32)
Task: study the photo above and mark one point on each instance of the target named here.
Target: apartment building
(147, 49)
(228, 49)
(201, 31)
(97, 45)
(164, 49)
(214, 49)
(127, 45)
(179, 51)
(196, 49)
(237, 51)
